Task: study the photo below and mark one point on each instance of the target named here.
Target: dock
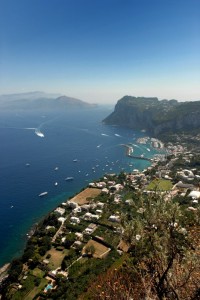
(129, 151)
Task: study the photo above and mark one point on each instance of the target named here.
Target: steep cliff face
(187, 122)
(155, 116)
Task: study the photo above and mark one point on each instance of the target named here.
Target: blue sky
(100, 50)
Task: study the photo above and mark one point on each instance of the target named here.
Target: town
(88, 234)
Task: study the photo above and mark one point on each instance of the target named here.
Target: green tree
(159, 246)
(90, 250)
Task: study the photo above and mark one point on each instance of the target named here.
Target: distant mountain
(41, 101)
(30, 96)
(155, 116)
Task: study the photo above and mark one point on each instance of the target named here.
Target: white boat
(27, 165)
(56, 169)
(75, 160)
(55, 183)
(39, 133)
(69, 178)
(43, 194)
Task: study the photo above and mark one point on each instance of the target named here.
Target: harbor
(129, 153)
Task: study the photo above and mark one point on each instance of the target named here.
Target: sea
(39, 149)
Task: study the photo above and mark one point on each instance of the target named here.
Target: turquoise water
(69, 136)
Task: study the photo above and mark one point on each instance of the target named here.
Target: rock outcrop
(157, 117)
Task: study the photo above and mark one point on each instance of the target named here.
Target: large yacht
(43, 194)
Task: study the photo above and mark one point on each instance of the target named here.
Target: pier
(129, 151)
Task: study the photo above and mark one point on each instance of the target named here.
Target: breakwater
(129, 153)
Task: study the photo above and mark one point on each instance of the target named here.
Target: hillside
(155, 116)
(132, 236)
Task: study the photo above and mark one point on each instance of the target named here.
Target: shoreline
(34, 226)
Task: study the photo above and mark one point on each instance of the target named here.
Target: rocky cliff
(155, 116)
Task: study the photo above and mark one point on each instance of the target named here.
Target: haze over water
(69, 136)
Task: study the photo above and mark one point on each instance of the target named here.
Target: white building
(75, 220)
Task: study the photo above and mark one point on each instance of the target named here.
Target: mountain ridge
(41, 100)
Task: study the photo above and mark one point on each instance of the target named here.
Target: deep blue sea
(68, 136)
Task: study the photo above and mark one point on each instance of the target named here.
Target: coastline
(125, 165)
(87, 196)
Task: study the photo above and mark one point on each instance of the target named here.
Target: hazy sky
(101, 50)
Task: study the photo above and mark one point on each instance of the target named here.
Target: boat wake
(39, 133)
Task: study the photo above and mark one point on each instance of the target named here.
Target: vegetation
(149, 250)
(160, 185)
(158, 117)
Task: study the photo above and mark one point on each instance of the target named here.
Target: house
(85, 207)
(118, 187)
(50, 227)
(105, 190)
(75, 220)
(87, 216)
(63, 239)
(77, 210)
(77, 244)
(100, 204)
(79, 236)
(101, 184)
(90, 229)
(60, 210)
(61, 219)
(111, 183)
(113, 218)
(95, 217)
(194, 194)
(183, 186)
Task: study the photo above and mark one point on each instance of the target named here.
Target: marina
(129, 151)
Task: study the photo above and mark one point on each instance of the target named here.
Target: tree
(160, 248)
(90, 250)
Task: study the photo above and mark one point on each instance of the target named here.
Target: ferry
(43, 194)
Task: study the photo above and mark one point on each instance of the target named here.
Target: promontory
(155, 116)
